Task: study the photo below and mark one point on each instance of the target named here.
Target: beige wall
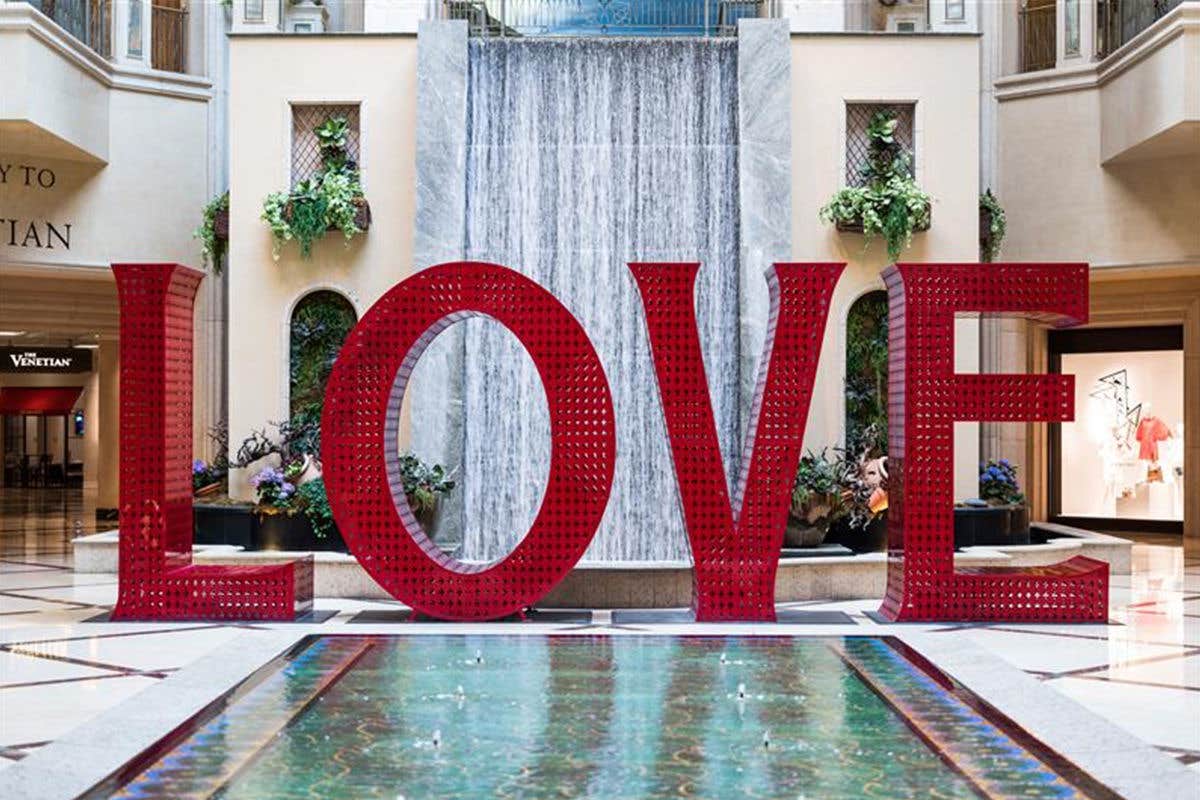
(267, 75)
(940, 73)
(1101, 163)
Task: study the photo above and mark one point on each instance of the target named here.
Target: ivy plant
(889, 203)
(212, 248)
(989, 203)
(328, 200)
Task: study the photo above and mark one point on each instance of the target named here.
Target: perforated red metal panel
(156, 577)
(926, 397)
(735, 546)
(360, 430)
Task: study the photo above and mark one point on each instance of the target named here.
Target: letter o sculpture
(360, 426)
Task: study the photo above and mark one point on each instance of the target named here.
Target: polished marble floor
(58, 669)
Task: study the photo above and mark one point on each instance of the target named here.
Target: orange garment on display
(1151, 431)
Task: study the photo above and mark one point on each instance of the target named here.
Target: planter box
(362, 214)
(293, 533)
(857, 226)
(224, 524)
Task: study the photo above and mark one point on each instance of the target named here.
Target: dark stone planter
(801, 534)
(872, 539)
(973, 526)
(224, 524)
(1018, 524)
(293, 533)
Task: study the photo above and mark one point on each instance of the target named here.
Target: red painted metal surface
(156, 577)
(926, 397)
(735, 546)
(360, 437)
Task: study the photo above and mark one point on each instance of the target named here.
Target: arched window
(320, 323)
(867, 373)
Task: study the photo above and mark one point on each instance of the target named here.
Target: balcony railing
(1118, 21)
(89, 21)
(604, 17)
(1038, 45)
(168, 38)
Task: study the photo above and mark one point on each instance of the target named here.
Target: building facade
(111, 141)
(1082, 116)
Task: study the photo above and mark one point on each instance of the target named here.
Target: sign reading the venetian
(735, 540)
(45, 359)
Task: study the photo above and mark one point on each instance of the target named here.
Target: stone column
(131, 32)
(109, 472)
(765, 182)
(435, 392)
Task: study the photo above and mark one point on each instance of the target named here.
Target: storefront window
(1122, 457)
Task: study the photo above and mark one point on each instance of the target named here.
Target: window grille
(858, 117)
(306, 155)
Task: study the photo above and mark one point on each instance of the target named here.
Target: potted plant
(331, 199)
(992, 226)
(864, 481)
(999, 487)
(889, 203)
(817, 501)
(213, 232)
(206, 478)
(424, 486)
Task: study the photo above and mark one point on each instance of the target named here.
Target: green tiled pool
(427, 716)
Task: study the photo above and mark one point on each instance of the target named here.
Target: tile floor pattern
(56, 670)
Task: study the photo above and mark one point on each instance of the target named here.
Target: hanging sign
(45, 359)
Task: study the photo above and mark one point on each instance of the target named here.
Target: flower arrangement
(275, 490)
(991, 210)
(889, 203)
(205, 475)
(331, 199)
(998, 483)
(212, 240)
(865, 483)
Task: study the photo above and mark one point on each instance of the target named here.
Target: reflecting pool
(430, 716)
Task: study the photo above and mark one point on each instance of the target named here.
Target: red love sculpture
(360, 429)
(156, 577)
(735, 546)
(926, 398)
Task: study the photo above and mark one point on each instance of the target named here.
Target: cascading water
(583, 155)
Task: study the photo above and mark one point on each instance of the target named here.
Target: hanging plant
(889, 203)
(213, 232)
(992, 225)
(332, 199)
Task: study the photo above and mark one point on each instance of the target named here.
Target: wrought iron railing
(1038, 43)
(604, 17)
(1118, 21)
(168, 38)
(89, 21)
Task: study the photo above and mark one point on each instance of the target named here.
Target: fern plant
(889, 203)
(329, 200)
